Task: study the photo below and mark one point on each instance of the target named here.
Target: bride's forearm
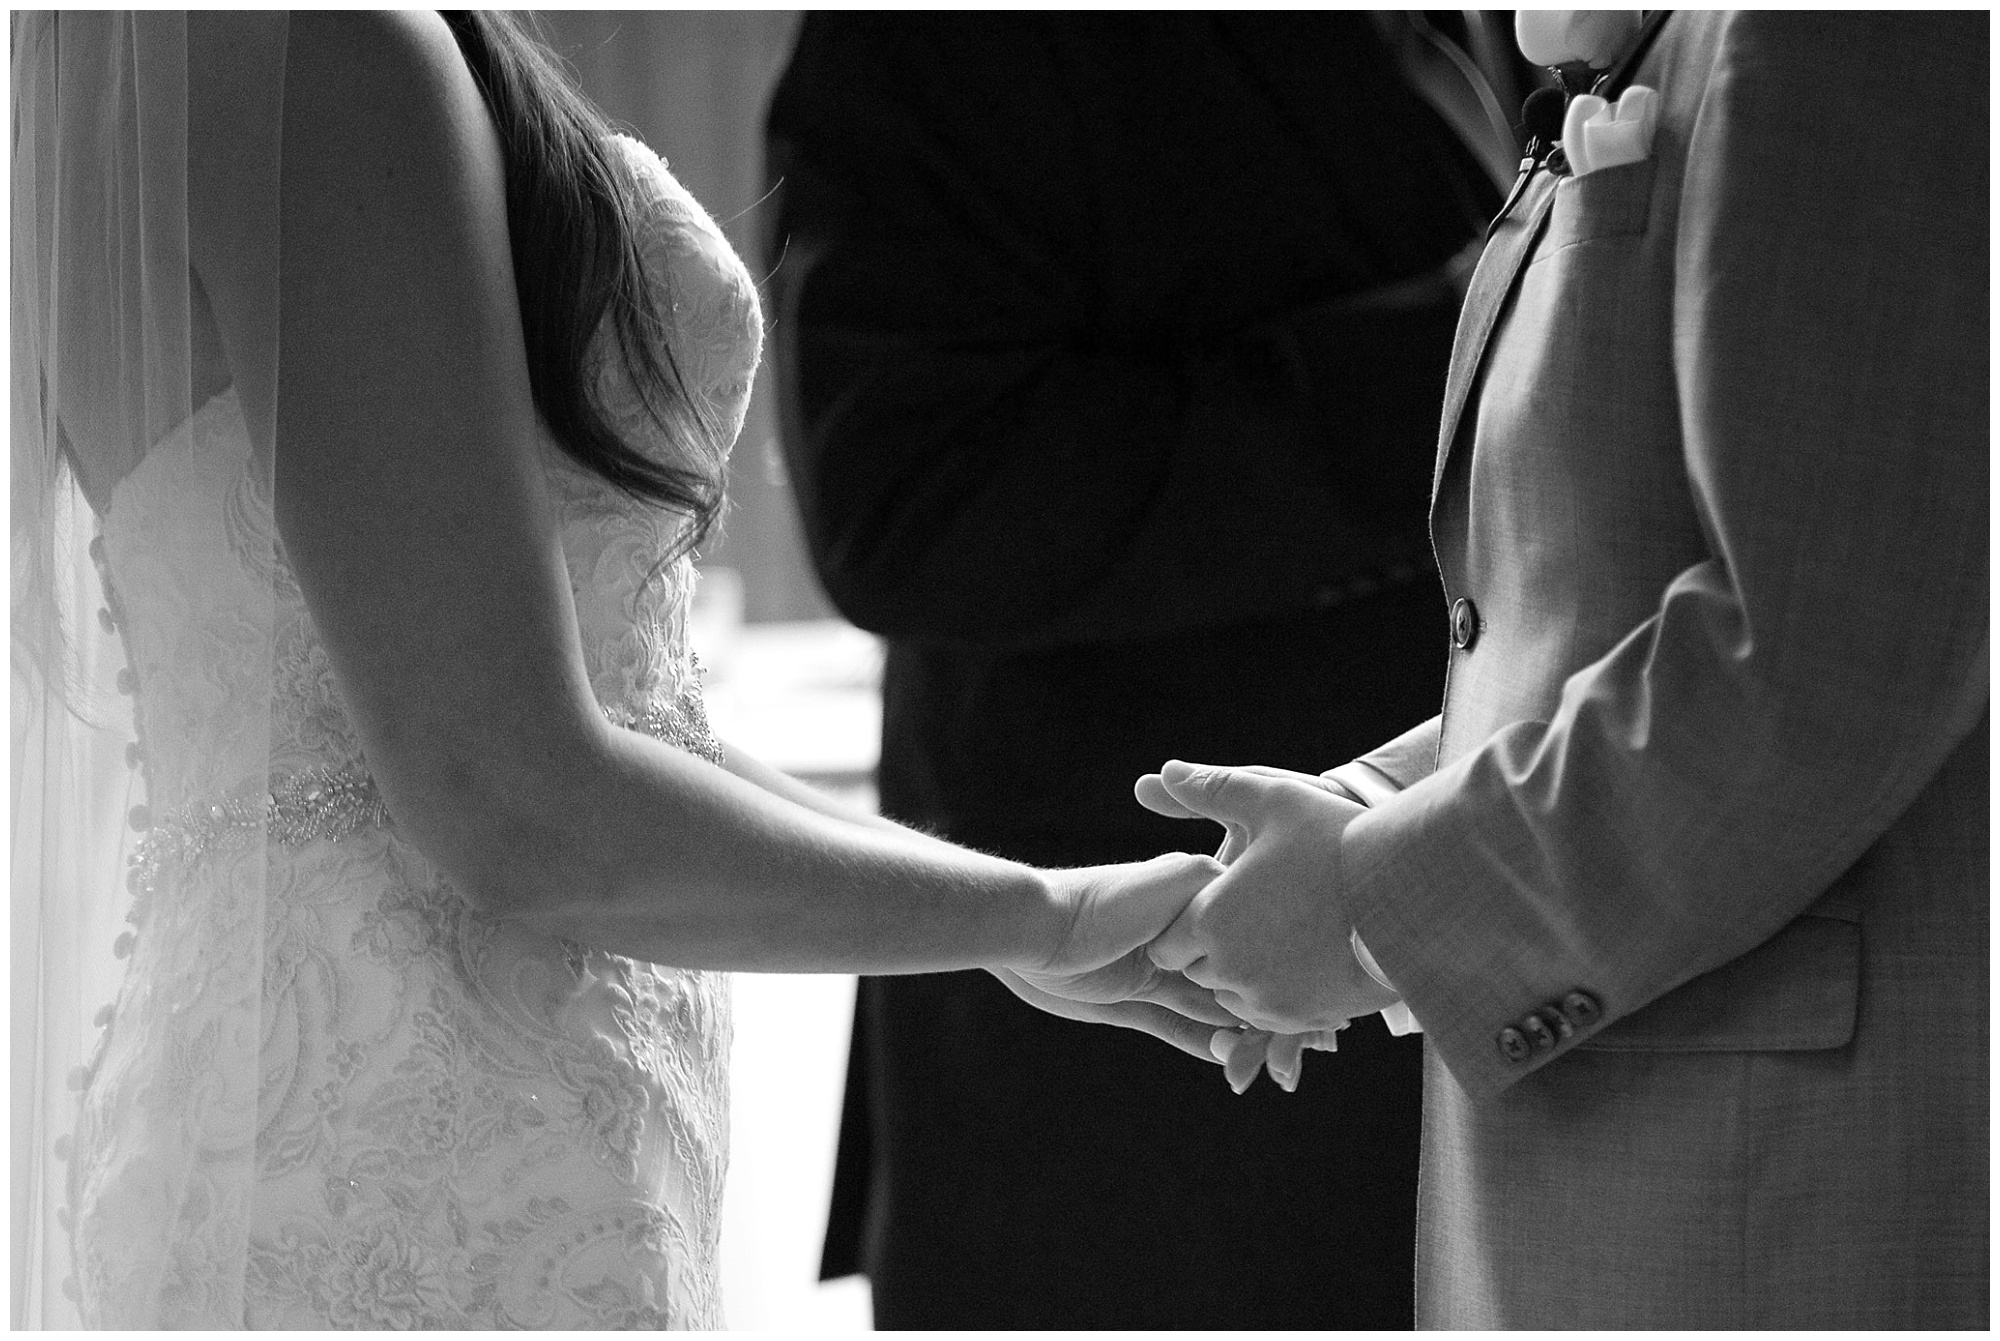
(644, 851)
(779, 783)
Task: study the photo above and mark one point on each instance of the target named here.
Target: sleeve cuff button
(1580, 1008)
(1539, 1035)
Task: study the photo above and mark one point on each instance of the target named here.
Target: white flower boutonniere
(1599, 135)
(1592, 37)
(1577, 44)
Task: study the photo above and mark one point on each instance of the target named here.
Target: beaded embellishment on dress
(682, 723)
(320, 803)
(329, 803)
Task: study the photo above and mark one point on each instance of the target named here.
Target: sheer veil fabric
(113, 355)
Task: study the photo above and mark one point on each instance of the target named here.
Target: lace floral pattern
(356, 1101)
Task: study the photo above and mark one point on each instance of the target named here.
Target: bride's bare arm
(760, 774)
(412, 505)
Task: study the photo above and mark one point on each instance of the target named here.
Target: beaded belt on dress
(331, 803)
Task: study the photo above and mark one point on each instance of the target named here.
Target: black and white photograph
(1000, 669)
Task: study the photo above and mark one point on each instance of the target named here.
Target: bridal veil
(113, 352)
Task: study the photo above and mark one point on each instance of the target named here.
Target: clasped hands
(1245, 958)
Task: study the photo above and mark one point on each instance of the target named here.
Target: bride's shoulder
(390, 85)
(379, 48)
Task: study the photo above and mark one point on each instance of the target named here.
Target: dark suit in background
(1112, 350)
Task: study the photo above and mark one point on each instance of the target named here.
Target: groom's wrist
(1368, 785)
(1395, 1014)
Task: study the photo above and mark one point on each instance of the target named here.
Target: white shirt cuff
(1373, 786)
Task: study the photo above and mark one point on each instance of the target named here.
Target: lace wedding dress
(442, 1121)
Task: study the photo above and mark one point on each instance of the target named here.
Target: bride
(400, 390)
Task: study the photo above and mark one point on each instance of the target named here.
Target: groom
(1688, 884)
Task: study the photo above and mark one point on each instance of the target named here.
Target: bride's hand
(1191, 1035)
(1246, 1050)
(1109, 915)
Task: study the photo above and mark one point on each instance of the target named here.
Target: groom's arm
(1707, 780)
(1410, 757)
(1373, 779)
(1392, 767)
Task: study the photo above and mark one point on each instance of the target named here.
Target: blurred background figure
(1110, 351)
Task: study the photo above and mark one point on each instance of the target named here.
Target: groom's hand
(1153, 794)
(1270, 935)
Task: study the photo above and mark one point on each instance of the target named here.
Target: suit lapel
(1513, 239)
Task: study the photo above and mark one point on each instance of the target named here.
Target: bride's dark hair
(577, 262)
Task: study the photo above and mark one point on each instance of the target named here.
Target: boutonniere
(1574, 41)
(1579, 45)
(1599, 135)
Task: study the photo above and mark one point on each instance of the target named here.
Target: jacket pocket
(1611, 202)
(1794, 993)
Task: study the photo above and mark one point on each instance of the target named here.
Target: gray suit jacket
(1709, 792)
